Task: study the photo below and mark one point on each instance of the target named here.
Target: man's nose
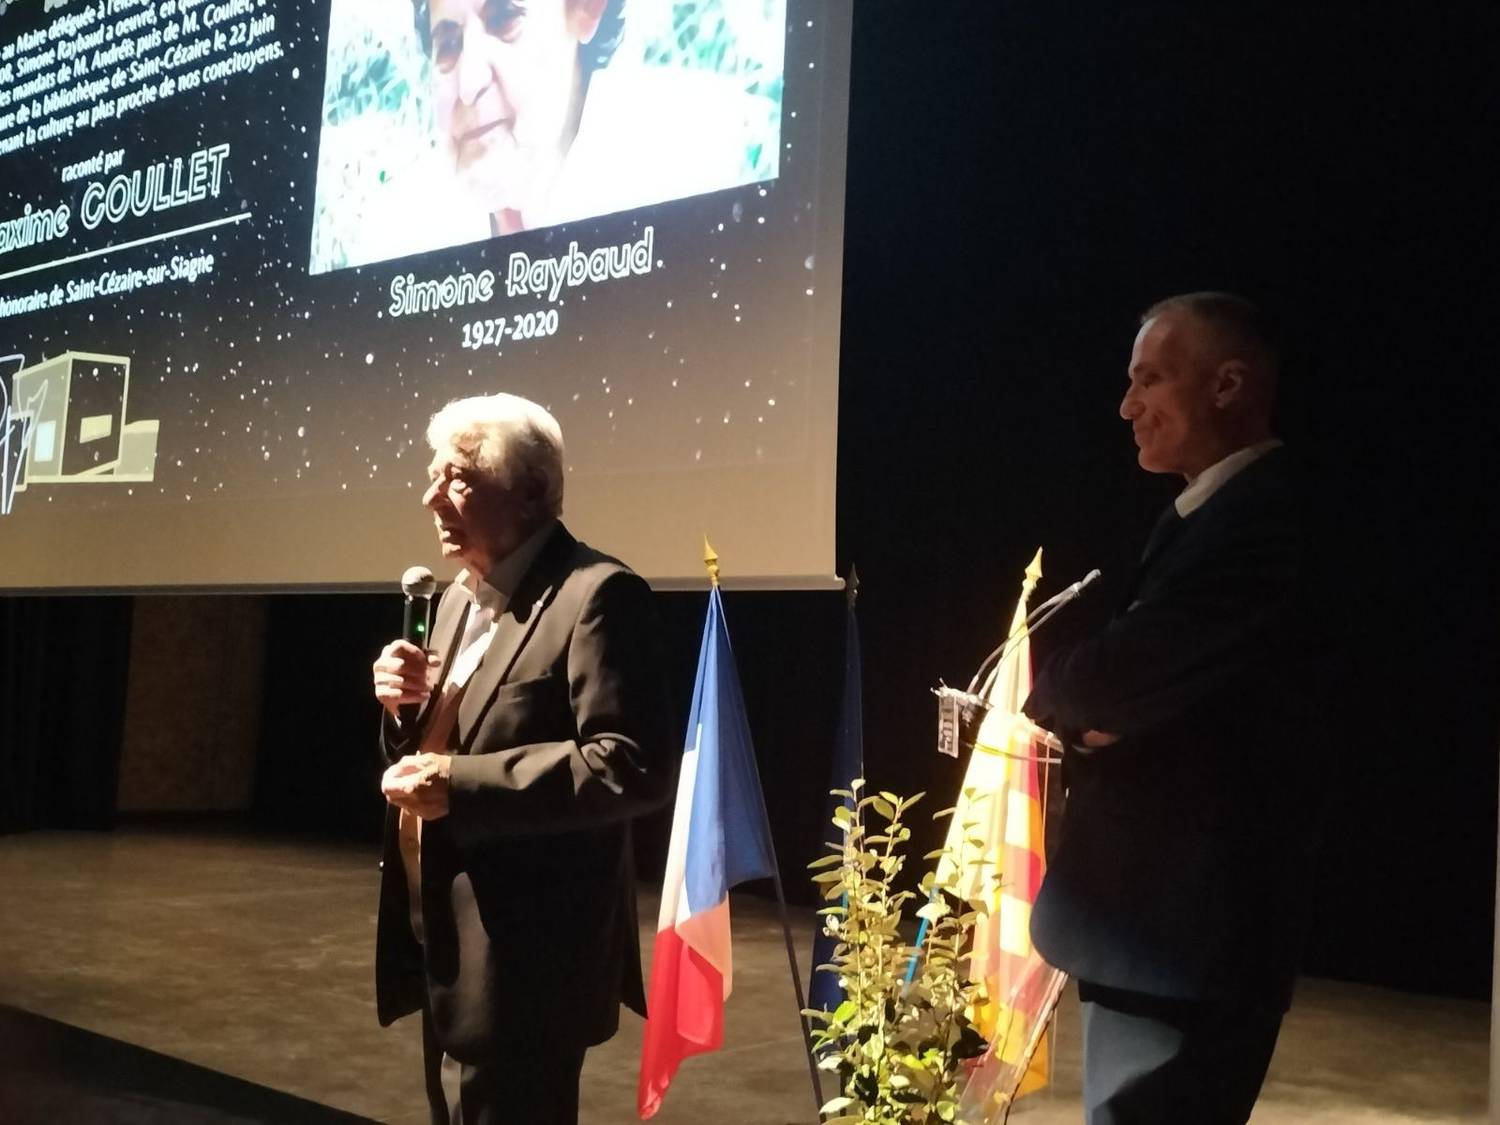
(429, 498)
(1130, 406)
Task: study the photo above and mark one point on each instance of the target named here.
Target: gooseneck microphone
(1034, 621)
(418, 585)
(1065, 595)
(960, 713)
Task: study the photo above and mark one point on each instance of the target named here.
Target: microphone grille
(418, 582)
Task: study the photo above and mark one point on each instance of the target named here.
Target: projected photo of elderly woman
(509, 82)
(496, 116)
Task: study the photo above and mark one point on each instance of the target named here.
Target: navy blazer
(563, 734)
(1185, 848)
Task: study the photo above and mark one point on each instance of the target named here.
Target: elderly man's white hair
(507, 437)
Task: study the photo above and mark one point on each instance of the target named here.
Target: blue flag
(825, 992)
(728, 842)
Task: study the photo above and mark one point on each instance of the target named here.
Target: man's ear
(584, 17)
(532, 496)
(1229, 383)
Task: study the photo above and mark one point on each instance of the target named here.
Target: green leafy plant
(898, 1046)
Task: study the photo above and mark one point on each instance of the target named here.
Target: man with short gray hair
(507, 908)
(1177, 893)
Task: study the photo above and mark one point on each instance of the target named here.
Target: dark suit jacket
(1182, 865)
(528, 892)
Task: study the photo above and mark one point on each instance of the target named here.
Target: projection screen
(248, 247)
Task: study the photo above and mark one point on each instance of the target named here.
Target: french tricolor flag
(719, 839)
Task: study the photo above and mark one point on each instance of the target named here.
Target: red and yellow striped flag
(996, 853)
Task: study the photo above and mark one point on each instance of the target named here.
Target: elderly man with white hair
(507, 907)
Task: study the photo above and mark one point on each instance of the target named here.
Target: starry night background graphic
(269, 382)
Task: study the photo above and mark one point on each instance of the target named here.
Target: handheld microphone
(418, 586)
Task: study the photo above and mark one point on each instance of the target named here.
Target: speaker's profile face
(506, 80)
(478, 520)
(1170, 401)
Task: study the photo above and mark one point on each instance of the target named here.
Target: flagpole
(791, 960)
(711, 561)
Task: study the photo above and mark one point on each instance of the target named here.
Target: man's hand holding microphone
(404, 675)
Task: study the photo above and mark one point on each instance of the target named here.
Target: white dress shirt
(489, 597)
(1213, 478)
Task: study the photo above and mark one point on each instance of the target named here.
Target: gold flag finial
(1033, 574)
(851, 586)
(1028, 584)
(711, 560)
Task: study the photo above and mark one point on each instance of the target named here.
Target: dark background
(1022, 182)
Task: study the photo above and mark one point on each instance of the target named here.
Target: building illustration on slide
(64, 421)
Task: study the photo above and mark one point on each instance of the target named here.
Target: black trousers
(527, 1083)
(1153, 1061)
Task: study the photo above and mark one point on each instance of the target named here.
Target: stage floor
(176, 975)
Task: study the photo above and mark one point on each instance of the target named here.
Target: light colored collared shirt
(489, 597)
(1213, 478)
